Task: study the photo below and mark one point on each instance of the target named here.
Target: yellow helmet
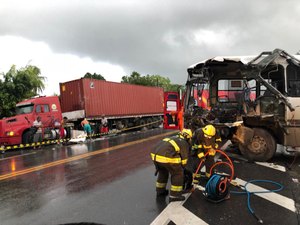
(187, 133)
(209, 130)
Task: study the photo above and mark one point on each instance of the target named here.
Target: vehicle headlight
(10, 133)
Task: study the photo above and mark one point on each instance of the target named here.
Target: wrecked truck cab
(253, 101)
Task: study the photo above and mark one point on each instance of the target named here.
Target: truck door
(172, 108)
(43, 111)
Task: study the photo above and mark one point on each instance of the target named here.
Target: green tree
(94, 76)
(150, 80)
(134, 78)
(18, 85)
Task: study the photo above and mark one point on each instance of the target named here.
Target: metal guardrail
(65, 140)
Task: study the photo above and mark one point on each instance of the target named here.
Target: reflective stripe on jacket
(173, 143)
(171, 150)
(202, 145)
(163, 159)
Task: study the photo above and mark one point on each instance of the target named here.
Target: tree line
(150, 80)
(138, 79)
(19, 84)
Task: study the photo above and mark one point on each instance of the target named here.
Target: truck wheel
(156, 124)
(125, 123)
(149, 121)
(27, 137)
(261, 148)
(119, 125)
(142, 124)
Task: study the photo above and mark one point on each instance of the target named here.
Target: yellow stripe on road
(78, 157)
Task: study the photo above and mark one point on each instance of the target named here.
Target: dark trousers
(194, 162)
(209, 162)
(177, 177)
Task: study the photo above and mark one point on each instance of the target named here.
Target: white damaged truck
(254, 101)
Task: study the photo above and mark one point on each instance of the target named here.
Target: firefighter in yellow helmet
(170, 157)
(205, 141)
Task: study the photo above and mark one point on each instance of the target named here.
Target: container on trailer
(93, 98)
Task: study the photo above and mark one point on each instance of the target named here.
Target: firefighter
(170, 157)
(204, 141)
(180, 118)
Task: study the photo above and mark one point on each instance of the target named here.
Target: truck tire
(142, 123)
(27, 137)
(149, 121)
(120, 125)
(156, 124)
(261, 148)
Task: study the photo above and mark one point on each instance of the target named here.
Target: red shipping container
(97, 97)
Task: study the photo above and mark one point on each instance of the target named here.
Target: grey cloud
(135, 35)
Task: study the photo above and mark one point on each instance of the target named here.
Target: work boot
(196, 178)
(162, 193)
(207, 176)
(196, 181)
(176, 198)
(188, 189)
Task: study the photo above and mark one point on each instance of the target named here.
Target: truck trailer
(124, 105)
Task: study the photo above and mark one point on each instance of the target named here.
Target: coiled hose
(216, 189)
(229, 164)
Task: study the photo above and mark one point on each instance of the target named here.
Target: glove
(194, 147)
(212, 152)
(201, 155)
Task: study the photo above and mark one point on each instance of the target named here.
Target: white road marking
(182, 216)
(272, 166)
(272, 197)
(226, 144)
(176, 213)
(199, 187)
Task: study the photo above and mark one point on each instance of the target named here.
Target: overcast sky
(67, 38)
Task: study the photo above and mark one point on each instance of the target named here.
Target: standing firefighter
(170, 156)
(204, 144)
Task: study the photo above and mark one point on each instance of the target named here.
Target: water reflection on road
(23, 196)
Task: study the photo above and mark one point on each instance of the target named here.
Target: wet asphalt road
(97, 182)
(111, 187)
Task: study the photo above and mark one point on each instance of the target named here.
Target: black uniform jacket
(171, 150)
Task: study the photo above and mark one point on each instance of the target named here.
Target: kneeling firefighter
(170, 157)
(204, 143)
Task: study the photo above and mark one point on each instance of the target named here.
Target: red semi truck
(124, 105)
(18, 129)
